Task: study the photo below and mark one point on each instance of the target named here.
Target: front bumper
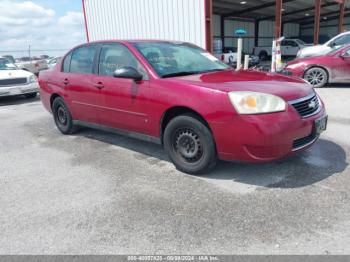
(265, 137)
(19, 89)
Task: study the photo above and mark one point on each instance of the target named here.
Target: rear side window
(66, 63)
(82, 60)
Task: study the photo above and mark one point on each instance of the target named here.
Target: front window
(178, 59)
(116, 56)
(6, 65)
(301, 42)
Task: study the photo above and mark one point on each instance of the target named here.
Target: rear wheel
(31, 95)
(316, 76)
(62, 116)
(190, 144)
(263, 56)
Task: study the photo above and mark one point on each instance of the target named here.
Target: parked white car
(334, 43)
(229, 56)
(33, 66)
(289, 47)
(14, 81)
(53, 61)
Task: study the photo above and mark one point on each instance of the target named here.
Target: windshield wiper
(182, 73)
(213, 70)
(186, 73)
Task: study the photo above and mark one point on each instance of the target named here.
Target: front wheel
(190, 144)
(62, 116)
(316, 76)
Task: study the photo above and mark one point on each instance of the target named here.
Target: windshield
(178, 59)
(6, 65)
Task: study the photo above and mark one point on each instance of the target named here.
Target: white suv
(335, 42)
(14, 81)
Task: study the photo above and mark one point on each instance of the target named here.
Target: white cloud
(71, 19)
(26, 23)
(19, 14)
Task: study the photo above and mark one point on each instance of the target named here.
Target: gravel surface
(98, 193)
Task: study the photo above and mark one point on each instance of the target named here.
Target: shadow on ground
(321, 161)
(17, 100)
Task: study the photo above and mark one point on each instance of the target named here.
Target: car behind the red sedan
(180, 96)
(333, 67)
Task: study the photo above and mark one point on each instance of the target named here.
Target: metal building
(202, 21)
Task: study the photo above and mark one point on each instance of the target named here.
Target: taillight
(222, 57)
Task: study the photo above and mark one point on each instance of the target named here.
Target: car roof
(135, 41)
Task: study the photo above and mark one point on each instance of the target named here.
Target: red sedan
(333, 67)
(180, 96)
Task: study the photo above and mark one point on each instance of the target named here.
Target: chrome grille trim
(301, 105)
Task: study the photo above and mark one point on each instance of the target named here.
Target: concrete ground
(97, 193)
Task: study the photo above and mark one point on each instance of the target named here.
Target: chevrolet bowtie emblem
(312, 104)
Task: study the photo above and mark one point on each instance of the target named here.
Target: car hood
(6, 74)
(314, 51)
(289, 88)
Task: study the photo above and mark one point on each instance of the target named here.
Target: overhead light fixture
(283, 9)
(243, 2)
(325, 18)
(307, 14)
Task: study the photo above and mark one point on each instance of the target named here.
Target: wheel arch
(175, 111)
(318, 66)
(53, 97)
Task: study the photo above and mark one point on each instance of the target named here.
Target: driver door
(126, 102)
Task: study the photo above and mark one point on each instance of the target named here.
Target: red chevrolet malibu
(333, 67)
(180, 96)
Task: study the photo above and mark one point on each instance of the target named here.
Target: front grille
(13, 81)
(307, 106)
(301, 142)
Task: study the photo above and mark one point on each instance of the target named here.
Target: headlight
(293, 66)
(256, 103)
(32, 79)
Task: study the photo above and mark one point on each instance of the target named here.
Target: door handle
(66, 81)
(99, 85)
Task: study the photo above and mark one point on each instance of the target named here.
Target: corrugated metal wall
(328, 28)
(266, 32)
(182, 20)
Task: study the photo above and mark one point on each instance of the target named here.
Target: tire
(190, 144)
(31, 95)
(62, 116)
(263, 56)
(316, 76)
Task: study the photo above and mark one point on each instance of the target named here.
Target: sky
(41, 24)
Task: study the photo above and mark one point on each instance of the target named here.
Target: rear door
(85, 98)
(126, 102)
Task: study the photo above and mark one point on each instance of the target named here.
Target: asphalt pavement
(98, 193)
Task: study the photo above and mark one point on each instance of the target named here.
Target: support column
(278, 19)
(341, 17)
(317, 21)
(256, 32)
(209, 25)
(222, 29)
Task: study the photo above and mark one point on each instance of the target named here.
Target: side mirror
(128, 72)
(332, 44)
(344, 55)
